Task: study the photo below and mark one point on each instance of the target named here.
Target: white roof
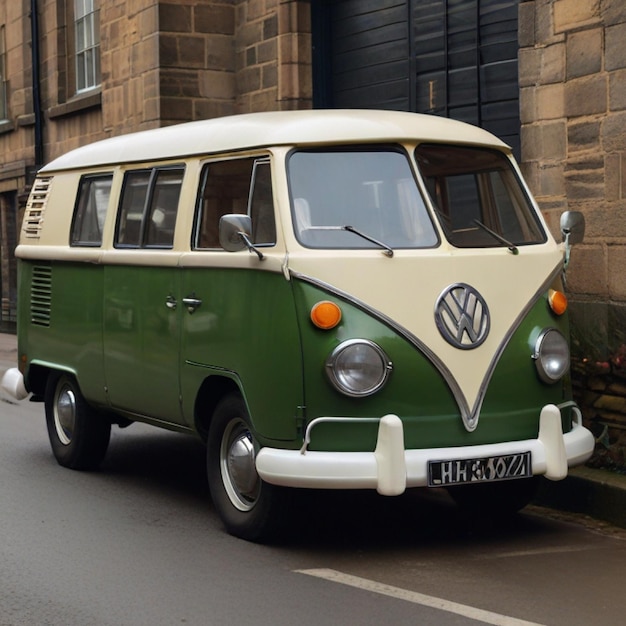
(252, 130)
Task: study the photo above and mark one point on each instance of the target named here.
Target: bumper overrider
(390, 469)
(13, 383)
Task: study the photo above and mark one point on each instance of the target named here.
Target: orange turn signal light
(325, 315)
(557, 301)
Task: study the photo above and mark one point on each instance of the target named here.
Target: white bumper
(391, 468)
(13, 384)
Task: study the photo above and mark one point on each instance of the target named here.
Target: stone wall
(162, 62)
(197, 60)
(273, 55)
(572, 63)
(16, 132)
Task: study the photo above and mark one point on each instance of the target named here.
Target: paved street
(138, 543)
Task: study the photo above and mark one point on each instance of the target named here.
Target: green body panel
(142, 337)
(246, 329)
(73, 338)
(416, 391)
(515, 391)
(156, 358)
(253, 328)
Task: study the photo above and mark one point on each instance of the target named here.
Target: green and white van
(329, 299)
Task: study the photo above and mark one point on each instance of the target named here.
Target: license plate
(487, 469)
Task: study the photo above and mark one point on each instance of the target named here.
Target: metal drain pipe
(34, 29)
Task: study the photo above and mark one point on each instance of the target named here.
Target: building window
(4, 114)
(87, 38)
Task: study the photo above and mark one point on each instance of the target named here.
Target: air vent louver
(36, 207)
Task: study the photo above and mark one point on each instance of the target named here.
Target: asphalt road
(138, 543)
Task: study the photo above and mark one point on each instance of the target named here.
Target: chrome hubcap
(237, 463)
(65, 414)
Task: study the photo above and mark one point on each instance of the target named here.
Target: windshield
(478, 197)
(357, 198)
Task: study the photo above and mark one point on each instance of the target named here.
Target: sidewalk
(597, 493)
(8, 351)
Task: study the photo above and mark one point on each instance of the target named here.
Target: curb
(597, 493)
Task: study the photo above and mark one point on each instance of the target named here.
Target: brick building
(549, 76)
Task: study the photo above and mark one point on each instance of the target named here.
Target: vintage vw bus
(329, 299)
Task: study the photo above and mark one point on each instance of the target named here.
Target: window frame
(425, 233)
(4, 83)
(247, 201)
(480, 168)
(86, 37)
(78, 215)
(147, 209)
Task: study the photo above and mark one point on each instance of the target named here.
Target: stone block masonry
(572, 72)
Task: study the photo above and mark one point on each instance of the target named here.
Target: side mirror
(573, 231)
(230, 230)
(234, 231)
(572, 227)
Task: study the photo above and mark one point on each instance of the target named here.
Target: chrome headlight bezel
(346, 366)
(551, 355)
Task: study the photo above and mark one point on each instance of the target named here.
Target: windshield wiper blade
(511, 246)
(388, 251)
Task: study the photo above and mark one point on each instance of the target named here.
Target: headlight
(551, 355)
(358, 367)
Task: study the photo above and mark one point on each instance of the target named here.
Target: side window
(163, 208)
(148, 207)
(131, 210)
(235, 186)
(261, 204)
(90, 210)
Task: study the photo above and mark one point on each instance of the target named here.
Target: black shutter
(367, 42)
(456, 58)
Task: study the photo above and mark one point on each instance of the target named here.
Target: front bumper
(390, 469)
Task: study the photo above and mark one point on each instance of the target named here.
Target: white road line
(538, 552)
(417, 598)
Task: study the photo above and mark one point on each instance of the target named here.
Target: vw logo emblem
(462, 316)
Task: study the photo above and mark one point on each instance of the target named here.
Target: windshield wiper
(512, 247)
(385, 247)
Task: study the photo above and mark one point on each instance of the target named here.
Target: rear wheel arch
(37, 379)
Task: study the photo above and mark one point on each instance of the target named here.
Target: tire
(496, 500)
(78, 434)
(247, 506)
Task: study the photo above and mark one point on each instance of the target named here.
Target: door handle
(170, 302)
(191, 302)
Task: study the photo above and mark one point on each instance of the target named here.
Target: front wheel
(247, 505)
(79, 435)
